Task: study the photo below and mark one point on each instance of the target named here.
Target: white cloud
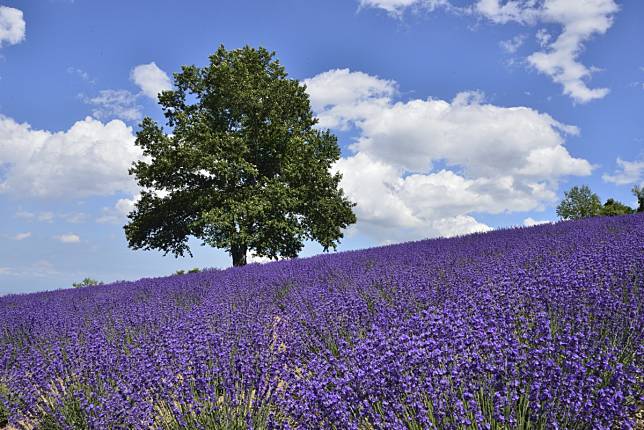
(111, 104)
(120, 211)
(579, 20)
(396, 7)
(511, 46)
(252, 258)
(530, 222)
(337, 94)
(491, 159)
(45, 216)
(630, 172)
(90, 159)
(40, 268)
(74, 217)
(543, 37)
(68, 238)
(12, 26)
(122, 208)
(125, 206)
(30, 216)
(22, 236)
(81, 74)
(522, 11)
(151, 79)
(392, 208)
(122, 104)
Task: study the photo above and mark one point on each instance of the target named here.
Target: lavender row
(521, 328)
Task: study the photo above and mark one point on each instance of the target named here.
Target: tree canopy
(87, 282)
(581, 202)
(578, 203)
(243, 167)
(639, 194)
(613, 207)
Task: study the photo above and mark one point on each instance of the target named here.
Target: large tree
(639, 194)
(579, 202)
(242, 168)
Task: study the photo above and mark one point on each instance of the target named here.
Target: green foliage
(4, 412)
(639, 194)
(243, 169)
(613, 207)
(581, 202)
(245, 410)
(87, 282)
(183, 272)
(578, 203)
(68, 410)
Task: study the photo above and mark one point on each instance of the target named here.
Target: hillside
(537, 326)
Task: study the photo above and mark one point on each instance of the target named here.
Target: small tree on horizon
(87, 282)
(578, 203)
(614, 207)
(243, 168)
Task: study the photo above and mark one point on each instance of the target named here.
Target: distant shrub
(87, 282)
(613, 207)
(183, 272)
(581, 202)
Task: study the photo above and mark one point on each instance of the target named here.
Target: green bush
(87, 282)
(613, 207)
(183, 272)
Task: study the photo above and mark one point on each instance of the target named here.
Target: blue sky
(453, 116)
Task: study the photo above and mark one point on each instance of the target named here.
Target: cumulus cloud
(22, 236)
(422, 167)
(151, 79)
(12, 26)
(68, 238)
(629, 172)
(579, 21)
(531, 222)
(123, 104)
(119, 212)
(111, 104)
(92, 158)
(338, 94)
(393, 208)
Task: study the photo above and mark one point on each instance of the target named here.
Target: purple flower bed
(523, 328)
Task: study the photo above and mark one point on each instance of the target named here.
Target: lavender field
(530, 328)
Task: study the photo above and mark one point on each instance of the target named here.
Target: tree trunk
(239, 255)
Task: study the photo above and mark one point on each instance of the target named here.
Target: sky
(453, 116)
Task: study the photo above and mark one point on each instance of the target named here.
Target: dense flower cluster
(522, 328)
